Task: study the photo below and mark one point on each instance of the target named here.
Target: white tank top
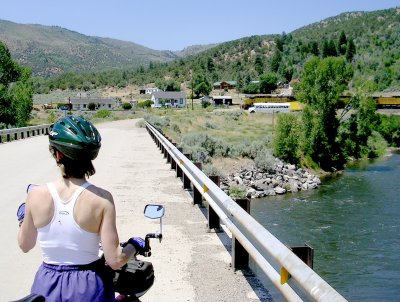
(63, 241)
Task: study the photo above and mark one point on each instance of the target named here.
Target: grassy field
(225, 139)
(233, 125)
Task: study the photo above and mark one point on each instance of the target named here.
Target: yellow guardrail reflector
(284, 275)
(180, 161)
(205, 188)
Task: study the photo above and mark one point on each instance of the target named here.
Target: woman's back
(88, 210)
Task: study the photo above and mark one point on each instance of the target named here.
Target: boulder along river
(353, 224)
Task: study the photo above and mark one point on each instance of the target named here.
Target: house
(222, 100)
(83, 104)
(175, 99)
(150, 90)
(225, 85)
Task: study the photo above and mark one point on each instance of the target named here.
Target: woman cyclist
(70, 217)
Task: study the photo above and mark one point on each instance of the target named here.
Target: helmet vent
(73, 130)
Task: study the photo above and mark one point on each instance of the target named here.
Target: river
(353, 224)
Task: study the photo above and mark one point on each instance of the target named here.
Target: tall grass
(206, 134)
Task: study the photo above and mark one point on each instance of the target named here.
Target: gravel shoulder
(190, 263)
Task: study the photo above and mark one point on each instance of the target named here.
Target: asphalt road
(190, 264)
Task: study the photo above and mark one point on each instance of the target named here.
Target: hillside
(376, 36)
(375, 57)
(52, 50)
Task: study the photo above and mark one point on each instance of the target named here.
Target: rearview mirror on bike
(154, 211)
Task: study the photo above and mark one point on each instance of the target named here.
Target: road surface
(190, 264)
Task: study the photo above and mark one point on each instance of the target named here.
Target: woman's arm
(115, 255)
(27, 232)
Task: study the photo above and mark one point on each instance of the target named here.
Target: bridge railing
(24, 132)
(290, 275)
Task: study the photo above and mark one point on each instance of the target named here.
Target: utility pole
(191, 81)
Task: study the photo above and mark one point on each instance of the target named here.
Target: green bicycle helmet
(75, 137)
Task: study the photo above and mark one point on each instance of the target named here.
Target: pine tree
(350, 50)
(342, 44)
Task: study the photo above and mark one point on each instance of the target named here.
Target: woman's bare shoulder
(100, 193)
(38, 192)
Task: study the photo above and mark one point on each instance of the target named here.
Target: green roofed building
(225, 85)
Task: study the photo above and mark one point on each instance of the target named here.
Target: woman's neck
(71, 181)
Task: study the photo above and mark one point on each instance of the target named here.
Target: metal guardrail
(24, 132)
(272, 257)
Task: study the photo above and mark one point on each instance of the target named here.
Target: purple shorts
(62, 283)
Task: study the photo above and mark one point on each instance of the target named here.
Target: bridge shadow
(226, 240)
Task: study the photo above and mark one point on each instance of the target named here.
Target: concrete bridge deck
(190, 263)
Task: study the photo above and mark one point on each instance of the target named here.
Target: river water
(353, 224)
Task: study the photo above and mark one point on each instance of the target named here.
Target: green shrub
(389, 128)
(234, 115)
(286, 142)
(376, 145)
(102, 113)
(210, 170)
(145, 104)
(126, 106)
(265, 162)
(251, 149)
(157, 121)
(92, 106)
(175, 128)
(210, 125)
(237, 192)
(205, 103)
(203, 140)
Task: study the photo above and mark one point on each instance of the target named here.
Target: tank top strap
(56, 197)
(53, 192)
(78, 192)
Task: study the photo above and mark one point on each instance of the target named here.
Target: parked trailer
(270, 107)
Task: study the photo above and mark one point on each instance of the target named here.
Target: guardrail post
(165, 151)
(21, 135)
(178, 168)
(186, 180)
(169, 159)
(197, 197)
(240, 257)
(173, 162)
(213, 219)
(8, 137)
(1, 139)
(305, 253)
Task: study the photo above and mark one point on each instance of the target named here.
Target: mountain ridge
(52, 50)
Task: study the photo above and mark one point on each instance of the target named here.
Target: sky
(176, 24)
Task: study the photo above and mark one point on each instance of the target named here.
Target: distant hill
(52, 50)
(376, 36)
(376, 61)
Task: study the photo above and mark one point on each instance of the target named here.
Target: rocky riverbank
(281, 179)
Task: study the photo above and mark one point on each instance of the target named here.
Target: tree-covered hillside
(52, 50)
(370, 41)
(376, 36)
